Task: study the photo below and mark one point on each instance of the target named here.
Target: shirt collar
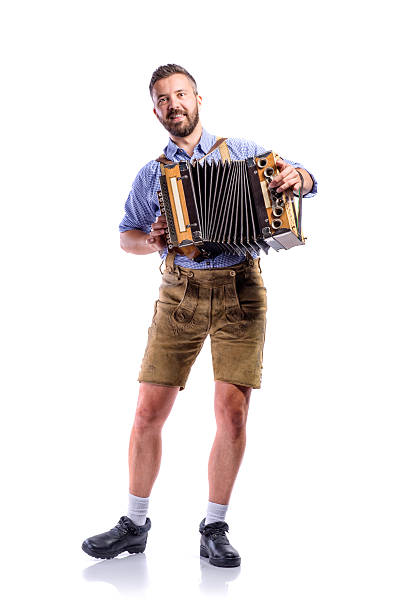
(206, 142)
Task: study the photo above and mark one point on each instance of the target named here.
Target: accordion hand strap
(299, 229)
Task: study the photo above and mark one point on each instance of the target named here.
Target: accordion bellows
(228, 207)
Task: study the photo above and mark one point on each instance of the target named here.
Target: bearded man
(223, 296)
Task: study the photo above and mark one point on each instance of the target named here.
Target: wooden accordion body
(228, 207)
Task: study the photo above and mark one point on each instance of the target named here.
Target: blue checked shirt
(142, 208)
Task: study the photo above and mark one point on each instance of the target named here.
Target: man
(224, 297)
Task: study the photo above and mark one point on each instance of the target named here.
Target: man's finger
(287, 185)
(281, 176)
(277, 180)
(285, 172)
(283, 187)
(281, 164)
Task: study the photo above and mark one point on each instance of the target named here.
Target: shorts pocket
(252, 293)
(232, 307)
(184, 312)
(172, 289)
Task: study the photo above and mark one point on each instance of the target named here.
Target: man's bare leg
(231, 408)
(153, 407)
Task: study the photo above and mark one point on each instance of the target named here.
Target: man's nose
(173, 103)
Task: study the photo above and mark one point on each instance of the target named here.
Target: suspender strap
(169, 260)
(249, 258)
(163, 160)
(220, 143)
(224, 149)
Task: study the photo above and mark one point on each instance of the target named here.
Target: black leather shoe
(216, 546)
(125, 536)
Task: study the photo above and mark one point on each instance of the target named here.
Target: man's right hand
(156, 240)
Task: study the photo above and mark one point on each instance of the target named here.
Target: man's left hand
(287, 178)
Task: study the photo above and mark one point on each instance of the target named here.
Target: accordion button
(190, 274)
(232, 273)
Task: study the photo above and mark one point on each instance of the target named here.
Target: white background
(316, 512)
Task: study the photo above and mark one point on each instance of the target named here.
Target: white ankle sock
(137, 509)
(215, 512)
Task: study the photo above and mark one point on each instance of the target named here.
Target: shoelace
(214, 533)
(124, 527)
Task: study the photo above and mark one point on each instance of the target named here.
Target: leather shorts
(228, 304)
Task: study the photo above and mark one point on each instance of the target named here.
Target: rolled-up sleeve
(139, 211)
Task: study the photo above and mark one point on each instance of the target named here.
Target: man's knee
(231, 406)
(154, 406)
(148, 417)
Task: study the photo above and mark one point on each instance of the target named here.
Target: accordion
(228, 207)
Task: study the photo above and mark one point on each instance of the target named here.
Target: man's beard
(186, 127)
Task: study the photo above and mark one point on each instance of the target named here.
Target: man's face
(176, 104)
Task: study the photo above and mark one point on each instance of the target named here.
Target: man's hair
(167, 70)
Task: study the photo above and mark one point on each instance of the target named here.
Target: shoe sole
(224, 562)
(97, 555)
